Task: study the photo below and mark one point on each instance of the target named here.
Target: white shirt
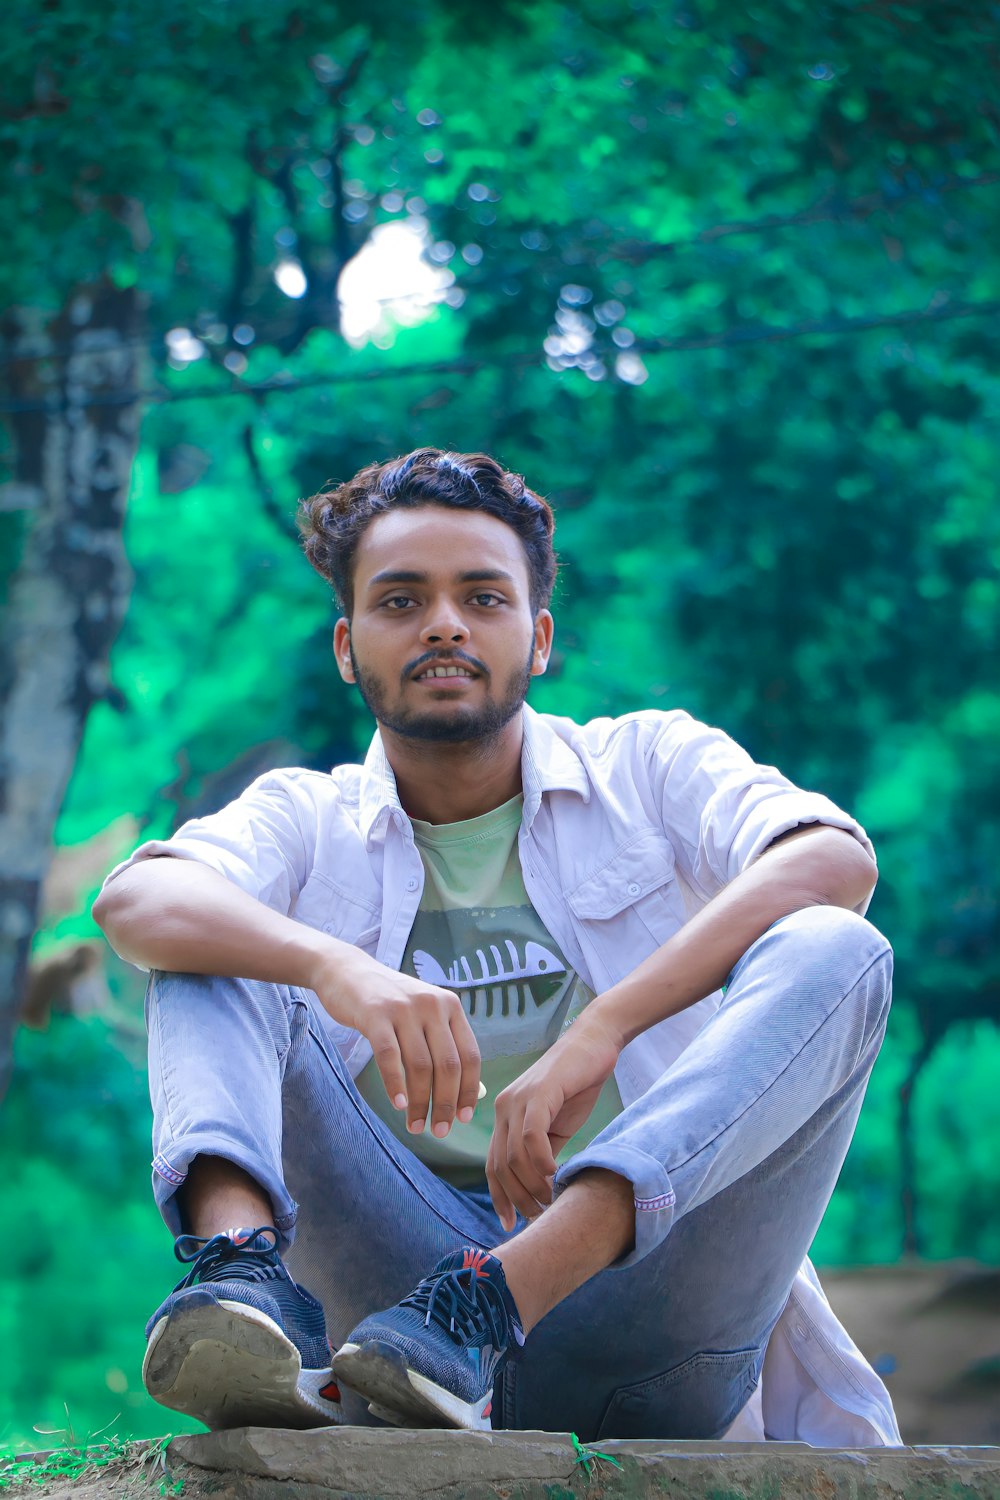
(630, 826)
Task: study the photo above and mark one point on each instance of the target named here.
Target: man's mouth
(430, 672)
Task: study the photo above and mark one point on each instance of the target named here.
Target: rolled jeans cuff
(170, 1170)
(655, 1200)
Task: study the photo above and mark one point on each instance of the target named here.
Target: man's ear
(544, 627)
(342, 648)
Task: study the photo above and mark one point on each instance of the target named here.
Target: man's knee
(833, 931)
(829, 949)
(821, 954)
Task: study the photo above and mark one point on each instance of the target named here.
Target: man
(644, 947)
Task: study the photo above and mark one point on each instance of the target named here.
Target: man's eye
(487, 599)
(397, 602)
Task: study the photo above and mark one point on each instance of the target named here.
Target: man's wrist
(599, 1023)
(324, 961)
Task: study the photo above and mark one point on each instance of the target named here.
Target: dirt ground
(138, 1473)
(932, 1330)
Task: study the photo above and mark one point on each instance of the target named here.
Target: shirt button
(411, 884)
(633, 889)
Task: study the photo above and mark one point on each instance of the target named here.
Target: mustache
(447, 658)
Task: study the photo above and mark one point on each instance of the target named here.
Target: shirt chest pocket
(347, 915)
(637, 886)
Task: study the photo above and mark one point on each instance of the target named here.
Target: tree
(75, 427)
(98, 223)
(718, 285)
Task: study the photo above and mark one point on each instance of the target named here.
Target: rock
(364, 1463)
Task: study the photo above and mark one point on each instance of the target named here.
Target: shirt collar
(379, 800)
(548, 764)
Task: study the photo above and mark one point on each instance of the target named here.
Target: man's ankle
(589, 1227)
(219, 1195)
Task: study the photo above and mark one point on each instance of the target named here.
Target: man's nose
(444, 627)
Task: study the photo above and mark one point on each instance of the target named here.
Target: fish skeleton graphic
(537, 961)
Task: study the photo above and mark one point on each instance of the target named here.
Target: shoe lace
(463, 1305)
(220, 1258)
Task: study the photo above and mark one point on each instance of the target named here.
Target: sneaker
(237, 1343)
(431, 1360)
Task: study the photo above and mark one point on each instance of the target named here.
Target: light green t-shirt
(477, 933)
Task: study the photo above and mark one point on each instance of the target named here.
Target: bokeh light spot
(290, 278)
(392, 282)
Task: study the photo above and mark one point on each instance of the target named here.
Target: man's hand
(543, 1109)
(421, 1039)
(535, 1116)
(176, 914)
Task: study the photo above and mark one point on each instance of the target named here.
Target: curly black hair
(333, 521)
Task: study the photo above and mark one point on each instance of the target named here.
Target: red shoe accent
(487, 1408)
(331, 1391)
(475, 1260)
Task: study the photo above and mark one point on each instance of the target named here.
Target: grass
(129, 1459)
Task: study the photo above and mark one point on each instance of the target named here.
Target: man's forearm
(815, 866)
(179, 915)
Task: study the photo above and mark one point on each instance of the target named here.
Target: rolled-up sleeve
(721, 809)
(256, 842)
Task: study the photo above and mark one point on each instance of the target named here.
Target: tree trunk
(910, 1193)
(73, 418)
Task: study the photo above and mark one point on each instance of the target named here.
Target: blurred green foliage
(648, 210)
(88, 1253)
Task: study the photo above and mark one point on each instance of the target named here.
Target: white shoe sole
(399, 1395)
(230, 1365)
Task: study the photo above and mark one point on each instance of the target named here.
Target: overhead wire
(470, 365)
(634, 251)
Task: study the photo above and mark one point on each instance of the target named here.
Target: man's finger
(505, 1210)
(419, 1071)
(541, 1160)
(521, 1158)
(447, 1077)
(517, 1194)
(471, 1090)
(389, 1061)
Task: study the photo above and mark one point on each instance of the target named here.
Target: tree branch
(726, 338)
(241, 225)
(640, 251)
(265, 490)
(341, 242)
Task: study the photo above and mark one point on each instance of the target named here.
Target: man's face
(439, 590)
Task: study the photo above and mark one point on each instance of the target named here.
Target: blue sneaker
(237, 1343)
(431, 1360)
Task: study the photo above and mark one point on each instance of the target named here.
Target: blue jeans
(733, 1155)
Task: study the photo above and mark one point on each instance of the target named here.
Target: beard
(463, 726)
